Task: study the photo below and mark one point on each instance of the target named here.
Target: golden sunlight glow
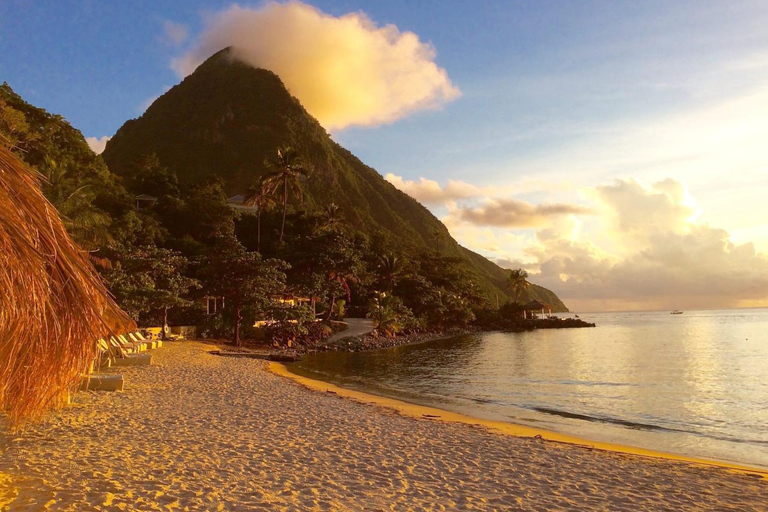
(345, 71)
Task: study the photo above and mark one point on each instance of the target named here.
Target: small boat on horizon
(676, 312)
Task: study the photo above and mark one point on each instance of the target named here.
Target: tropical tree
(332, 216)
(259, 197)
(517, 282)
(74, 199)
(390, 316)
(243, 278)
(389, 270)
(288, 171)
(149, 176)
(150, 279)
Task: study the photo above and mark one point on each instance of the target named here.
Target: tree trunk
(238, 321)
(258, 229)
(330, 309)
(165, 322)
(285, 209)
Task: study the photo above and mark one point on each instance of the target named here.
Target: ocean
(694, 384)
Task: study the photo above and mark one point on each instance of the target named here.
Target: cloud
(430, 192)
(175, 33)
(662, 257)
(345, 70)
(97, 145)
(514, 213)
(510, 264)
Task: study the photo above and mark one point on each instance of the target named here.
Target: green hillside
(226, 117)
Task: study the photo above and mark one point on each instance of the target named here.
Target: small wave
(644, 426)
(607, 419)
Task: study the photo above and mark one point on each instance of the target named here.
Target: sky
(614, 149)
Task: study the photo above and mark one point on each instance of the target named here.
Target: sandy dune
(199, 432)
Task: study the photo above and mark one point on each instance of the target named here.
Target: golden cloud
(345, 70)
(663, 258)
(514, 213)
(431, 192)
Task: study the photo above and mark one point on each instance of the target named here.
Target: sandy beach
(200, 432)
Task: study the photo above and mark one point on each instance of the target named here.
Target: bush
(215, 326)
(339, 310)
(391, 317)
(511, 311)
(289, 324)
(489, 318)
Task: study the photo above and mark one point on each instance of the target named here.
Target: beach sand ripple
(199, 432)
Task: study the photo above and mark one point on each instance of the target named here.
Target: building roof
(237, 201)
(535, 305)
(146, 197)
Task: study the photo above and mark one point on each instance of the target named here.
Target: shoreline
(504, 428)
(201, 432)
(368, 342)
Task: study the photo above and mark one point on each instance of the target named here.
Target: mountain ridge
(226, 117)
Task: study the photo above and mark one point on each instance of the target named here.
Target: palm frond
(54, 306)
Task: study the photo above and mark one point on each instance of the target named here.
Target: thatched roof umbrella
(53, 305)
(535, 305)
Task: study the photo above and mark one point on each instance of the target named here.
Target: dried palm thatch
(53, 305)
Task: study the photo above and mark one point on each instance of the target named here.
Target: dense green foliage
(226, 119)
(340, 235)
(95, 207)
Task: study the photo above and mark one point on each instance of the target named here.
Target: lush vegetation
(319, 224)
(227, 119)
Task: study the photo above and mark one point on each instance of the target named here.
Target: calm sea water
(692, 384)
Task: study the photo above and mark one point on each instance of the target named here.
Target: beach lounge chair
(158, 342)
(149, 344)
(103, 382)
(125, 342)
(143, 359)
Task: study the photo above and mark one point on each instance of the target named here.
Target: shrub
(390, 316)
(289, 324)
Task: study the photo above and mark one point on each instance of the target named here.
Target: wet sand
(200, 432)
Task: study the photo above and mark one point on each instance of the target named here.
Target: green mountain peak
(225, 118)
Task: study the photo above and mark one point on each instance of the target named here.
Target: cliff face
(226, 117)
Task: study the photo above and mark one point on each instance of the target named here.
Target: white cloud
(430, 192)
(632, 247)
(175, 33)
(661, 257)
(482, 210)
(96, 144)
(345, 71)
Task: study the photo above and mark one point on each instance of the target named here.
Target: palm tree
(259, 197)
(390, 268)
(85, 222)
(517, 281)
(288, 169)
(332, 217)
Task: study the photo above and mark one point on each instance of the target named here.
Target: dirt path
(357, 327)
